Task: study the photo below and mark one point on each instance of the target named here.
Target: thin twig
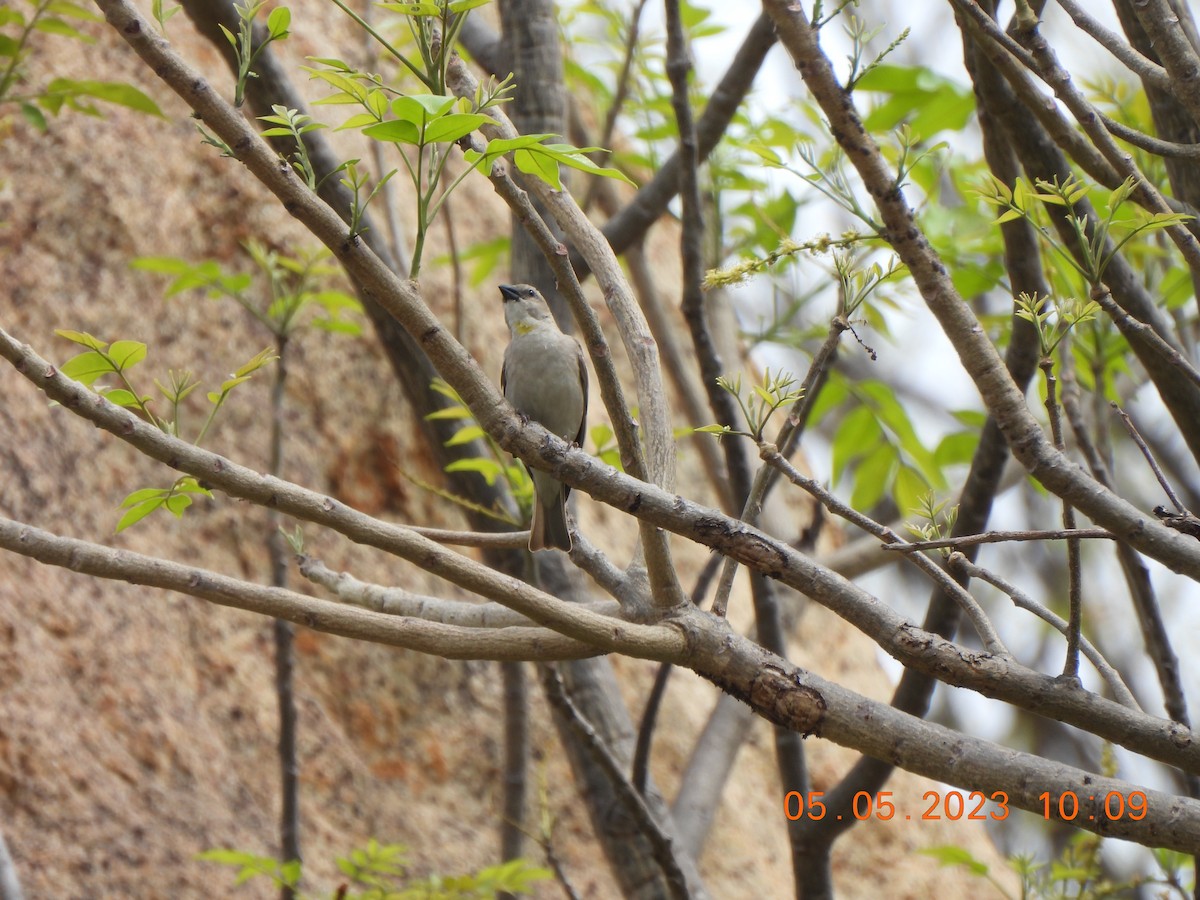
(397, 601)
(641, 755)
(1136, 572)
(640, 771)
(546, 842)
(516, 758)
(1074, 565)
(284, 637)
(1002, 537)
(1151, 144)
(1141, 443)
(1111, 676)
(1149, 71)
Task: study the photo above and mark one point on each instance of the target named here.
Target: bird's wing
(583, 383)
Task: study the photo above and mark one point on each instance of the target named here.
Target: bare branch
(1141, 444)
(448, 641)
(1000, 537)
(993, 676)
(1146, 69)
(395, 601)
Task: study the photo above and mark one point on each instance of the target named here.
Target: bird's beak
(509, 292)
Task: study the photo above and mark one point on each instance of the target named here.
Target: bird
(546, 381)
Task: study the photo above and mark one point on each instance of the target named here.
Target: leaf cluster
(18, 28)
(759, 404)
(101, 360)
(427, 125)
(1098, 240)
(246, 46)
(279, 295)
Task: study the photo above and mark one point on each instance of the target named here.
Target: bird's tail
(549, 527)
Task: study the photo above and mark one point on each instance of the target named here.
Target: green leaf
(178, 503)
(357, 121)
(121, 397)
(928, 102)
(81, 337)
(337, 326)
(909, 488)
(956, 448)
(261, 358)
(575, 158)
(127, 354)
(450, 128)
(87, 367)
(141, 496)
(139, 509)
(290, 872)
(278, 22)
(109, 91)
(541, 165)
(421, 108)
(832, 396)
(73, 11)
(189, 485)
(230, 383)
(396, 131)
(949, 855)
(34, 116)
(488, 468)
(449, 412)
(61, 28)
(873, 476)
(465, 435)
(857, 434)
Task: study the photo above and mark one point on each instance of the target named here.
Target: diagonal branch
(999, 678)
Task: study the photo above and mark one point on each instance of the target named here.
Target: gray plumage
(545, 379)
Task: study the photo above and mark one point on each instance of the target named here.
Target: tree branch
(995, 677)
(447, 641)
